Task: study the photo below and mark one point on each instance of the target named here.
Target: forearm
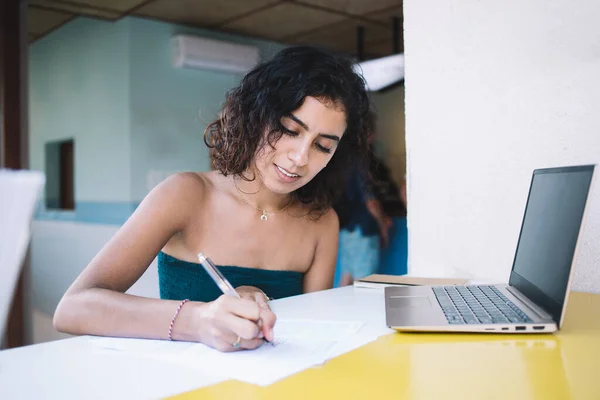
(104, 312)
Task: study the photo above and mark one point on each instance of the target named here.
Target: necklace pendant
(264, 215)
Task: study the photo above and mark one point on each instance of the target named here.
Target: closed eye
(319, 146)
(323, 148)
(288, 131)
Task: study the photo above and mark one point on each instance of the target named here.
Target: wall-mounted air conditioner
(202, 53)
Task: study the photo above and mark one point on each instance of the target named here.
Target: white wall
(79, 89)
(494, 90)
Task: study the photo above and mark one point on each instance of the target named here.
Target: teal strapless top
(180, 280)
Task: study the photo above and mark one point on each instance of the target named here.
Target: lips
(286, 175)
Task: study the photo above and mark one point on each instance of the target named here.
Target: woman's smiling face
(310, 137)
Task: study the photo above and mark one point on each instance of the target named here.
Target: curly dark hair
(276, 88)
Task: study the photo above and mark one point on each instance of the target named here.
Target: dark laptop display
(549, 232)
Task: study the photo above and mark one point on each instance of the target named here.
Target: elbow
(59, 318)
(63, 320)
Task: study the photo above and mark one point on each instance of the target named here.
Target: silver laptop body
(535, 298)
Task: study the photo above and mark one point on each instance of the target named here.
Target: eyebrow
(303, 125)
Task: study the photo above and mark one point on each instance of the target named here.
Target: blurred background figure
(372, 214)
(392, 197)
(364, 228)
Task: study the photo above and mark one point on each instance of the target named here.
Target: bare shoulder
(330, 218)
(187, 186)
(178, 195)
(328, 222)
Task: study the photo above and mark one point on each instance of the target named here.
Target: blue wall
(79, 88)
(170, 107)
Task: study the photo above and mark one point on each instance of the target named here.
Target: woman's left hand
(267, 317)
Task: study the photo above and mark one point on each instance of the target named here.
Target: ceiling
(329, 23)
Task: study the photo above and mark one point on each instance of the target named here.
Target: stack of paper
(299, 344)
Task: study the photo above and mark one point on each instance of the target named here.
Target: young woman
(281, 149)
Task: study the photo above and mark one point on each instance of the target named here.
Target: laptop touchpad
(403, 302)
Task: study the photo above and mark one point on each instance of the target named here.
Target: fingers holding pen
(266, 318)
(257, 310)
(246, 302)
(233, 324)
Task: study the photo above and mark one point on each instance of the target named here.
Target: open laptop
(535, 298)
(19, 195)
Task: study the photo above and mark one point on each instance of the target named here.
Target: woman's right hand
(223, 323)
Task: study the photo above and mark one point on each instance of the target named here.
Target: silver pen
(222, 282)
(217, 276)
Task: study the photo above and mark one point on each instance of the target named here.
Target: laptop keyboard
(481, 304)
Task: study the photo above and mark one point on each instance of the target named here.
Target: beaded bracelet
(175, 316)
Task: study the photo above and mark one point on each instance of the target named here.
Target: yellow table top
(565, 365)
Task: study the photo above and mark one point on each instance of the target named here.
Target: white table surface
(73, 369)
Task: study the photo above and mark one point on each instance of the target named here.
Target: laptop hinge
(532, 306)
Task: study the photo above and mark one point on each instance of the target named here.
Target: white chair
(19, 194)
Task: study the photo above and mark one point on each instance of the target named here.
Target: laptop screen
(549, 232)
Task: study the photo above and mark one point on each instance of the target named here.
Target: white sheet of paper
(74, 369)
(360, 307)
(299, 344)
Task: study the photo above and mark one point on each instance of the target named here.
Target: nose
(298, 153)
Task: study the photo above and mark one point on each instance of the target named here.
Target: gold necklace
(264, 213)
